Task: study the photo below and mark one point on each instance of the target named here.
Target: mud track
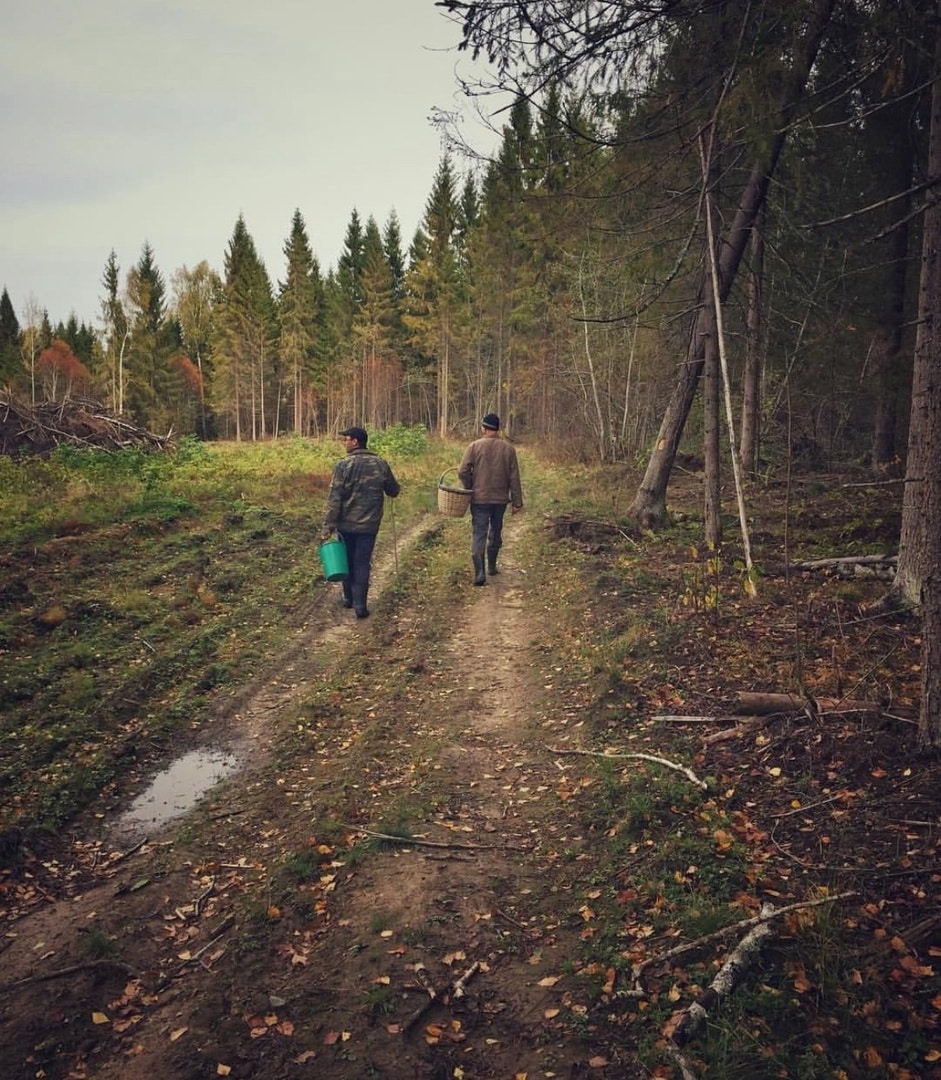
(193, 955)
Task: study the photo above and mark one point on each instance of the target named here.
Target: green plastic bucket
(333, 560)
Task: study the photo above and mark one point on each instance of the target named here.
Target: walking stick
(395, 540)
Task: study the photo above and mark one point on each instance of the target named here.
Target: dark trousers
(487, 527)
(359, 548)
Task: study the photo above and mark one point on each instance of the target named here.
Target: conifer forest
(777, 152)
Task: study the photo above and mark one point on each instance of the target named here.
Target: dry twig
(688, 773)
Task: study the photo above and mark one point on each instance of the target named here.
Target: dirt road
(253, 938)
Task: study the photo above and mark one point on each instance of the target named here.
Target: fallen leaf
(99, 1018)
(174, 1035)
(223, 1070)
(550, 980)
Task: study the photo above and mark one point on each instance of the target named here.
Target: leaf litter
(458, 854)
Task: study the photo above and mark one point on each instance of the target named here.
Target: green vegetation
(138, 587)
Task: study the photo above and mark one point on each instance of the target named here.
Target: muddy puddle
(175, 791)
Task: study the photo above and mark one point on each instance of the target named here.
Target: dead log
(844, 561)
(760, 704)
(843, 566)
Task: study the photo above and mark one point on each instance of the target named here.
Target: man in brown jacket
(490, 469)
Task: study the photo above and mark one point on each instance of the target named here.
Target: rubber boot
(359, 601)
(347, 595)
(480, 578)
(492, 561)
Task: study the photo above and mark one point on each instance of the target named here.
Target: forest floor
(451, 851)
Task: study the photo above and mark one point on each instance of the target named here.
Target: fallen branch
(686, 1070)
(846, 560)
(670, 718)
(227, 923)
(728, 977)
(421, 973)
(766, 915)
(460, 986)
(688, 773)
(75, 969)
(121, 856)
(411, 841)
(740, 731)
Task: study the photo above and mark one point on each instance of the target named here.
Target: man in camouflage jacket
(355, 503)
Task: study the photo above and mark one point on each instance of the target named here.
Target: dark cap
(491, 422)
(357, 433)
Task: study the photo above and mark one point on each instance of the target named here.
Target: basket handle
(445, 473)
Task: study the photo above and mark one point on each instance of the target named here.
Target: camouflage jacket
(358, 486)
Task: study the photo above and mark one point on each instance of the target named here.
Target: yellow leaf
(99, 1018)
(551, 1014)
(723, 839)
(549, 980)
(223, 1070)
(174, 1035)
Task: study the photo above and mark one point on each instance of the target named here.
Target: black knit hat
(491, 422)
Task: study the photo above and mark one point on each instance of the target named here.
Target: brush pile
(79, 422)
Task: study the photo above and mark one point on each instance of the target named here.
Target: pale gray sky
(125, 121)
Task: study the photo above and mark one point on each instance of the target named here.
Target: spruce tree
(150, 342)
(299, 312)
(433, 284)
(245, 332)
(116, 333)
(11, 365)
(373, 324)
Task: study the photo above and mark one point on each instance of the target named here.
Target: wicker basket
(452, 500)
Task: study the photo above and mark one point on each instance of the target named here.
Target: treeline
(562, 283)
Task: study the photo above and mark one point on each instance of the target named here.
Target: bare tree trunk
(712, 493)
(919, 572)
(888, 127)
(649, 504)
(754, 344)
(917, 557)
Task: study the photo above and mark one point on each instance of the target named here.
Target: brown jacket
(490, 468)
